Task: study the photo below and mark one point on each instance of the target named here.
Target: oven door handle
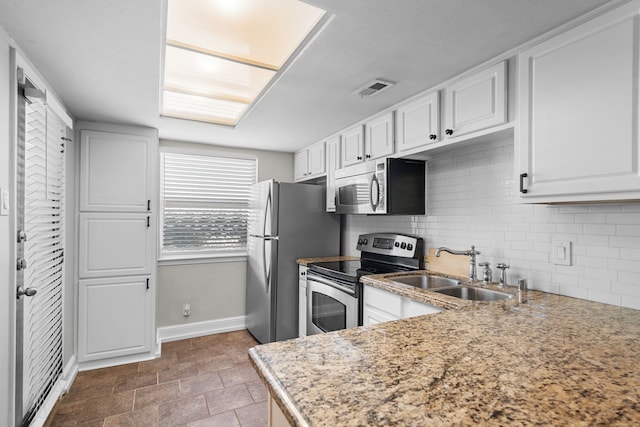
(314, 278)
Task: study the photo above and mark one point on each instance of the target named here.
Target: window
(204, 205)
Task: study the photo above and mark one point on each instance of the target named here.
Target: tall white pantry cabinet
(117, 242)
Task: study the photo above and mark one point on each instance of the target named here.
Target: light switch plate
(562, 252)
(4, 202)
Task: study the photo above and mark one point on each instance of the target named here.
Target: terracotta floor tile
(225, 419)
(256, 415)
(143, 417)
(178, 371)
(215, 364)
(156, 394)
(239, 374)
(227, 399)
(182, 411)
(200, 384)
(135, 380)
(258, 391)
(100, 408)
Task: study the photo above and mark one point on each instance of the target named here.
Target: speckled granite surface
(553, 360)
(306, 261)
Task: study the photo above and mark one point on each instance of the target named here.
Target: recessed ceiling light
(222, 55)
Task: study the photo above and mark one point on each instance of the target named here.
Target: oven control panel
(391, 244)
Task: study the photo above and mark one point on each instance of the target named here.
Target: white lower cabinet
(383, 306)
(302, 301)
(114, 318)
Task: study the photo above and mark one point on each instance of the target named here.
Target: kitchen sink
(426, 281)
(473, 294)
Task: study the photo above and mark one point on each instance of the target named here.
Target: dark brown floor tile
(112, 371)
(163, 362)
(99, 408)
(183, 411)
(256, 415)
(156, 394)
(226, 399)
(178, 371)
(258, 391)
(215, 364)
(239, 374)
(200, 355)
(200, 384)
(172, 346)
(143, 417)
(226, 419)
(135, 380)
(94, 423)
(85, 393)
(66, 413)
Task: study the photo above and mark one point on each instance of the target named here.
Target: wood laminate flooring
(204, 381)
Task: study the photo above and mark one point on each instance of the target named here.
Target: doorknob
(28, 292)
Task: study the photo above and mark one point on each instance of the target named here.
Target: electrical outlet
(562, 252)
(186, 309)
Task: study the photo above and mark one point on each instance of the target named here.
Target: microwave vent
(373, 88)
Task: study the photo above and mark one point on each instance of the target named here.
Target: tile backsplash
(472, 199)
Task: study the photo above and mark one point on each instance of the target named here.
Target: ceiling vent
(373, 88)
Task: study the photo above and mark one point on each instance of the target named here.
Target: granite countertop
(306, 261)
(552, 360)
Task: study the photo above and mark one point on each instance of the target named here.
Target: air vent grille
(373, 88)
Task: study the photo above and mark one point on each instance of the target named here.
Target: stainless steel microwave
(383, 187)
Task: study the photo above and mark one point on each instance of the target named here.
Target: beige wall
(215, 290)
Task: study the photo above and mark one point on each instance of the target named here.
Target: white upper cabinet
(333, 163)
(309, 162)
(476, 102)
(578, 100)
(352, 147)
(379, 137)
(115, 172)
(418, 123)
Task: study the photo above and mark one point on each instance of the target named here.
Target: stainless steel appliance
(386, 186)
(334, 291)
(286, 222)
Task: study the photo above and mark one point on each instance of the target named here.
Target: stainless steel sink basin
(474, 294)
(426, 281)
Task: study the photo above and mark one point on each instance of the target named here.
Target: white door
(317, 159)
(301, 165)
(379, 137)
(352, 147)
(418, 123)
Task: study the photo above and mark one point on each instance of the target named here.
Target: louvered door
(40, 220)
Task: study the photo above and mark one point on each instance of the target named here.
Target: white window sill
(201, 259)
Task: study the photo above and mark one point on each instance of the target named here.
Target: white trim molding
(62, 386)
(198, 329)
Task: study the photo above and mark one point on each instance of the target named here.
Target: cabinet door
(115, 172)
(301, 165)
(114, 317)
(414, 308)
(115, 245)
(333, 163)
(476, 102)
(352, 147)
(372, 316)
(317, 159)
(383, 301)
(579, 95)
(302, 301)
(379, 137)
(418, 123)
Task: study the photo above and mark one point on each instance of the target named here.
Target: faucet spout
(470, 253)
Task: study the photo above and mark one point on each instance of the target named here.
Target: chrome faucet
(472, 258)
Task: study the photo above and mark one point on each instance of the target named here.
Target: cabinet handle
(148, 221)
(368, 156)
(432, 136)
(147, 283)
(149, 205)
(449, 131)
(522, 177)
(359, 157)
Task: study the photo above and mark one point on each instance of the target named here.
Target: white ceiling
(103, 58)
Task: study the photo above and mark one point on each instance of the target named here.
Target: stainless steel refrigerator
(286, 221)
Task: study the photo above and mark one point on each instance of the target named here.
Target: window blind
(204, 204)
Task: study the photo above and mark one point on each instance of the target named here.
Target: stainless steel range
(334, 291)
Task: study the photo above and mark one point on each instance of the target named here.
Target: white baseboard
(198, 329)
(62, 386)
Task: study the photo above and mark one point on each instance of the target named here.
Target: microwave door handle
(374, 205)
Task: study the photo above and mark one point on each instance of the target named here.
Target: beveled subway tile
(142, 417)
(226, 399)
(156, 394)
(135, 380)
(182, 411)
(100, 408)
(225, 419)
(178, 371)
(200, 384)
(258, 391)
(215, 364)
(239, 374)
(256, 415)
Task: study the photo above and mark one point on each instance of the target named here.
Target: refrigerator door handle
(267, 215)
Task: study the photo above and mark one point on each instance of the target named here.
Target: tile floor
(204, 381)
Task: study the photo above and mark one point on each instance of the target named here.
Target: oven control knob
(409, 247)
(360, 242)
(396, 244)
(403, 245)
(365, 242)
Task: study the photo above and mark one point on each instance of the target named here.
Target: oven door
(330, 306)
